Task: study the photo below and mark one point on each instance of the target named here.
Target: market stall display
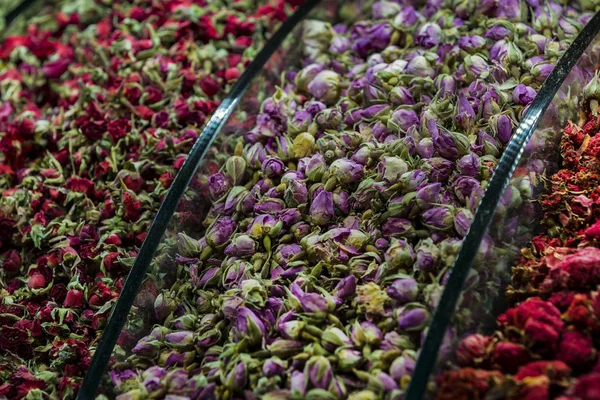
(308, 255)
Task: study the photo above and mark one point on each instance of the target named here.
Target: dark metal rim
(487, 207)
(161, 221)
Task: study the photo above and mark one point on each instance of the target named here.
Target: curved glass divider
(146, 294)
(507, 216)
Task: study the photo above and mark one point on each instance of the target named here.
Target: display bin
(160, 293)
(508, 218)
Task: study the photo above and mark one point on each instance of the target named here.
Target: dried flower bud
(325, 87)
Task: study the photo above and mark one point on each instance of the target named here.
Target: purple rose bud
(386, 381)
(448, 144)
(420, 66)
(465, 186)
(314, 303)
(248, 325)
(394, 227)
(401, 96)
(425, 148)
(306, 75)
(265, 225)
(180, 340)
(385, 9)
(413, 318)
(329, 118)
(255, 155)
(403, 119)
(403, 290)
(341, 200)
(428, 255)
(412, 179)
(285, 252)
(208, 339)
(325, 87)
(290, 329)
(218, 185)
(146, 348)
(321, 209)
(445, 85)
(498, 32)
(339, 45)
(298, 383)
(319, 372)
(241, 245)
(283, 348)
(438, 218)
(400, 254)
(220, 232)
(315, 167)
(236, 168)
(346, 170)
(523, 94)
(406, 18)
(469, 165)
(394, 341)
(296, 193)
(440, 169)
(392, 168)
(333, 338)
(346, 287)
(471, 44)
(290, 217)
(476, 67)
(542, 70)
(463, 220)
(273, 367)
(272, 167)
(429, 35)
(403, 367)
(429, 195)
(502, 126)
(348, 358)
(466, 115)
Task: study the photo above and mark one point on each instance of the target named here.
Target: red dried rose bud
(12, 261)
(587, 387)
(509, 356)
(575, 348)
(73, 299)
(593, 232)
(232, 73)
(474, 350)
(113, 238)
(209, 86)
(467, 383)
(538, 390)
(580, 270)
(554, 370)
(36, 281)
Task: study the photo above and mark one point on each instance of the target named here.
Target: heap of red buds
(98, 111)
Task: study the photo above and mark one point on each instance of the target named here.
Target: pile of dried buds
(98, 110)
(332, 226)
(546, 344)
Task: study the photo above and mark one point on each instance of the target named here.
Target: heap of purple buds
(334, 223)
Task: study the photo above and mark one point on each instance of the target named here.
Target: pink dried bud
(474, 350)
